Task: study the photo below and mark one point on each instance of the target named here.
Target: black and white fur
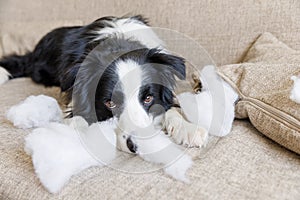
(111, 67)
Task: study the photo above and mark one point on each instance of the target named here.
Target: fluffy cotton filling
(64, 148)
(213, 108)
(154, 146)
(35, 111)
(295, 92)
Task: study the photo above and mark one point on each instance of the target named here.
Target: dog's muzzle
(131, 145)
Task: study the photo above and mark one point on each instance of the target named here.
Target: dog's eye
(110, 104)
(148, 99)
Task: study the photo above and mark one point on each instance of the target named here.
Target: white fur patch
(35, 111)
(131, 28)
(4, 75)
(295, 92)
(134, 115)
(215, 104)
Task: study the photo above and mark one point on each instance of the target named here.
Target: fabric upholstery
(268, 49)
(264, 88)
(243, 165)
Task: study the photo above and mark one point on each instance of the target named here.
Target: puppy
(113, 67)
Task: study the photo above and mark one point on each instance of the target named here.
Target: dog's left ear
(176, 63)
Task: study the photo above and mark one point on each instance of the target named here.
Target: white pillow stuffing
(62, 149)
(58, 152)
(154, 146)
(214, 105)
(295, 92)
(35, 111)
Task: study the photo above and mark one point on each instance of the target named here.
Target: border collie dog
(113, 67)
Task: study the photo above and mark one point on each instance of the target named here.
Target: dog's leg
(14, 66)
(182, 131)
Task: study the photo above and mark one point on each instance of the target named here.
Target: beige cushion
(269, 49)
(264, 87)
(227, 170)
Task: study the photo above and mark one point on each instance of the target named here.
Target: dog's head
(135, 87)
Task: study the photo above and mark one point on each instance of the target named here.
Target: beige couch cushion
(268, 49)
(264, 87)
(243, 165)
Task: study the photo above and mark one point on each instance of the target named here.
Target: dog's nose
(131, 146)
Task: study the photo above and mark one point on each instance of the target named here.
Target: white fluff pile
(295, 92)
(213, 107)
(60, 150)
(57, 154)
(35, 111)
(154, 146)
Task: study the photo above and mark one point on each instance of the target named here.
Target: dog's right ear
(175, 63)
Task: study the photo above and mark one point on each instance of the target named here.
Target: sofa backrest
(225, 28)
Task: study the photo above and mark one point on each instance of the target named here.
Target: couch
(243, 165)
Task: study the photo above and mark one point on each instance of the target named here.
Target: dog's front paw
(188, 134)
(183, 132)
